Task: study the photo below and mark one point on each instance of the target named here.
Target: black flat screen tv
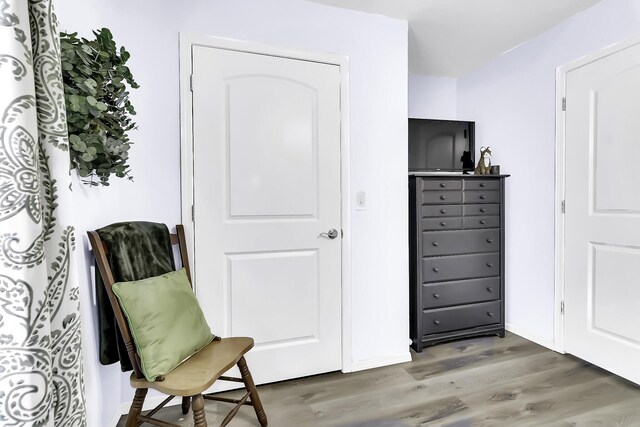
(441, 145)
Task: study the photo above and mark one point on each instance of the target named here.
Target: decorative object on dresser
(484, 164)
(456, 237)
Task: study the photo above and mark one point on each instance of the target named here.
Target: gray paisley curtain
(40, 343)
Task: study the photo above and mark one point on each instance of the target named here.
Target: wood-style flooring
(484, 381)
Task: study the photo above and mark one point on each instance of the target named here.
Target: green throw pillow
(165, 319)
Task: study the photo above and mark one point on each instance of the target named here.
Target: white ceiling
(453, 37)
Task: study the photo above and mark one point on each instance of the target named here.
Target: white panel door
(266, 185)
(602, 220)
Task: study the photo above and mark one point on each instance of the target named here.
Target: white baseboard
(378, 362)
(531, 337)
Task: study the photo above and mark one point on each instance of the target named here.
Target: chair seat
(200, 371)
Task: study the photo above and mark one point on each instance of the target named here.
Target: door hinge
(564, 103)
(193, 213)
(561, 307)
(191, 82)
(563, 206)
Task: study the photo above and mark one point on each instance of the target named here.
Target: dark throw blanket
(136, 250)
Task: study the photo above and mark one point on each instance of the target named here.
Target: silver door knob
(331, 234)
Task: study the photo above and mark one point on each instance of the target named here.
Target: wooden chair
(193, 376)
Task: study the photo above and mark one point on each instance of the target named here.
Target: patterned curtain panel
(40, 344)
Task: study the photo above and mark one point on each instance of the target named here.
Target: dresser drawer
(460, 292)
(438, 269)
(460, 317)
(441, 210)
(441, 197)
(481, 221)
(481, 209)
(441, 184)
(451, 223)
(481, 184)
(437, 243)
(481, 197)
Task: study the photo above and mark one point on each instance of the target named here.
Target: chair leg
(197, 404)
(186, 402)
(253, 392)
(136, 407)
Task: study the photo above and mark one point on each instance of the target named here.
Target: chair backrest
(100, 252)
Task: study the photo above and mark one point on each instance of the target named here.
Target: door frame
(560, 183)
(187, 40)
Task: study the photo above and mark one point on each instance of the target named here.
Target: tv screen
(441, 145)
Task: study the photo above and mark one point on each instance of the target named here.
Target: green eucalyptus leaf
(79, 146)
(88, 157)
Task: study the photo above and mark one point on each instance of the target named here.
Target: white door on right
(602, 220)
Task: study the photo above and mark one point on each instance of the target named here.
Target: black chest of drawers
(456, 240)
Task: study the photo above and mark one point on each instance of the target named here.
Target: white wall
(377, 51)
(432, 97)
(512, 100)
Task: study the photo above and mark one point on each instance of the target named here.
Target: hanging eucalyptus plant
(99, 112)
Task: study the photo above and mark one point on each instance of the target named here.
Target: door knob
(331, 234)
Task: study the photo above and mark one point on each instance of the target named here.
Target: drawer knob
(482, 210)
(436, 322)
(435, 244)
(482, 221)
(489, 241)
(436, 296)
(435, 269)
(443, 223)
(489, 313)
(443, 197)
(489, 265)
(443, 211)
(482, 197)
(489, 289)
(442, 185)
(482, 184)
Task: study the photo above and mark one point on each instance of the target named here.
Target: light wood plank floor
(484, 381)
